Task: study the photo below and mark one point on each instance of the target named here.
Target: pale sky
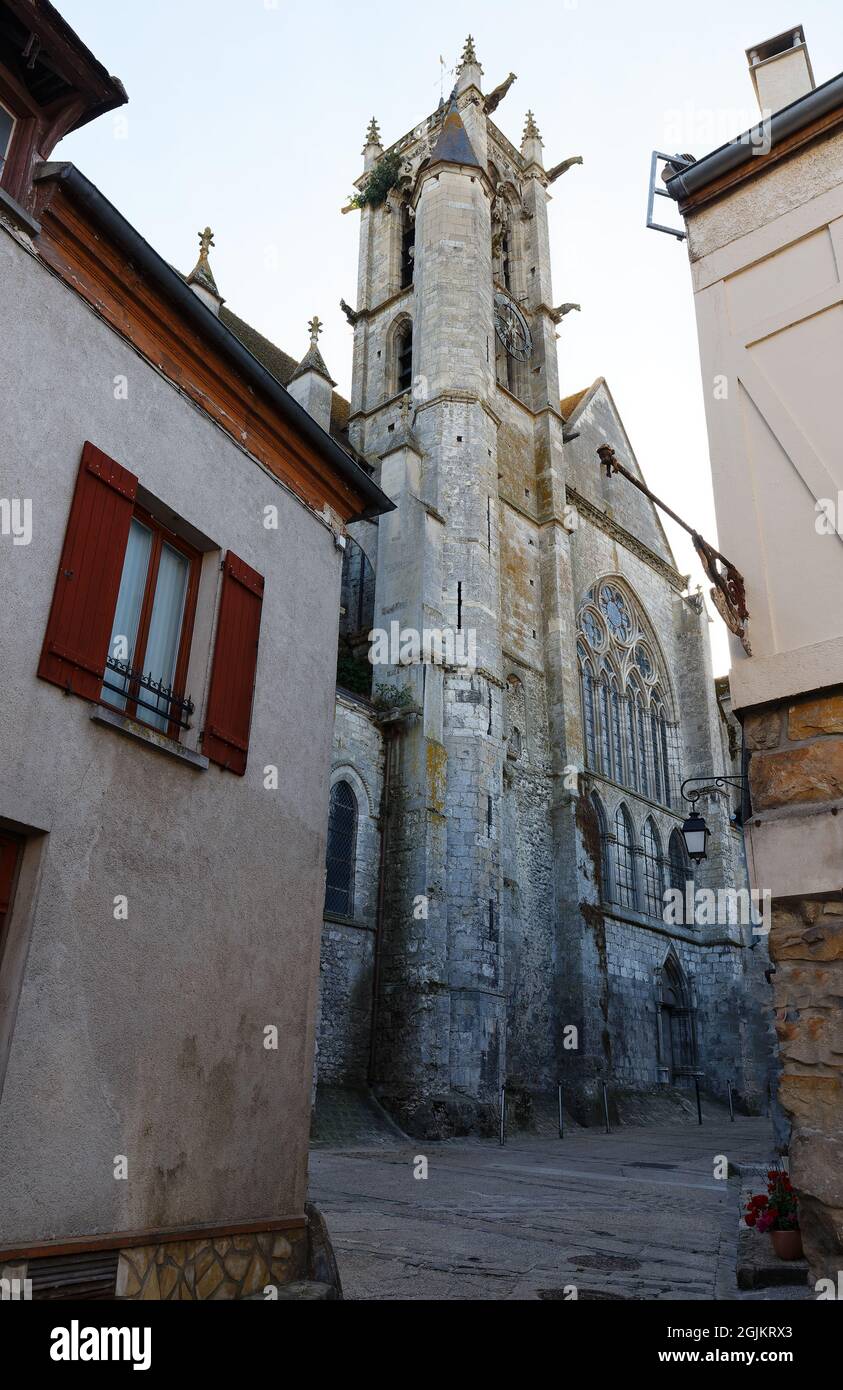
(250, 115)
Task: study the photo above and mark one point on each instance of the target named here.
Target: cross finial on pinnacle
(206, 241)
(531, 130)
(373, 135)
(315, 328)
(468, 54)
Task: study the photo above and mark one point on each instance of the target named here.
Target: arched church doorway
(677, 1031)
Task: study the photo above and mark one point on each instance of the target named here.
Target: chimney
(781, 70)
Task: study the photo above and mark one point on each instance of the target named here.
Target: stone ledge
(130, 728)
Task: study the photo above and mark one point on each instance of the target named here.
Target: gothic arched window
(342, 846)
(617, 730)
(624, 886)
(589, 718)
(679, 868)
(653, 870)
(605, 868)
(629, 734)
(605, 725)
(402, 345)
(657, 756)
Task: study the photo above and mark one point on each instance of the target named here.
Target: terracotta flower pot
(787, 1244)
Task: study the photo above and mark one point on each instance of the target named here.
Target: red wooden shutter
(229, 716)
(85, 597)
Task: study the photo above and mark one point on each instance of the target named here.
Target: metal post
(606, 1105)
(731, 1103)
(502, 1132)
(697, 1089)
(561, 1123)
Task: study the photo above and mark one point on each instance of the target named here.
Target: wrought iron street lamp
(695, 832)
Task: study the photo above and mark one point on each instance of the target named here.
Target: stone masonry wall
(345, 996)
(797, 764)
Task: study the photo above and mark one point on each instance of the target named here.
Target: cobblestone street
(633, 1214)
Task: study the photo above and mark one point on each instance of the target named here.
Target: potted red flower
(777, 1211)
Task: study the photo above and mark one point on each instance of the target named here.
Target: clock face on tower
(512, 328)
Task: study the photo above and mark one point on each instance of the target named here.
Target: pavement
(635, 1214)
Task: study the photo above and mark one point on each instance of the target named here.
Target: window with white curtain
(147, 654)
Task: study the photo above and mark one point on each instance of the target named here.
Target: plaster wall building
(764, 219)
(160, 884)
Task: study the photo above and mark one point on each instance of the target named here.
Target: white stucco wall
(767, 262)
(144, 1038)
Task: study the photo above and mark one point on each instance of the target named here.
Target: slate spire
(453, 145)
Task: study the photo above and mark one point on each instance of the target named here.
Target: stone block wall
(348, 944)
(797, 766)
(217, 1269)
(211, 1268)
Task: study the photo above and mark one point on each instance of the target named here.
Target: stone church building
(501, 834)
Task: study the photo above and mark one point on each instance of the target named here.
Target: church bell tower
(455, 402)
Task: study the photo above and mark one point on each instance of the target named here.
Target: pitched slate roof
(283, 368)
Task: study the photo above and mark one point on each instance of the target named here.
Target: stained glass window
(614, 609)
(627, 731)
(342, 844)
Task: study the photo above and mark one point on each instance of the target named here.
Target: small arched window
(624, 886)
(404, 356)
(653, 871)
(342, 846)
